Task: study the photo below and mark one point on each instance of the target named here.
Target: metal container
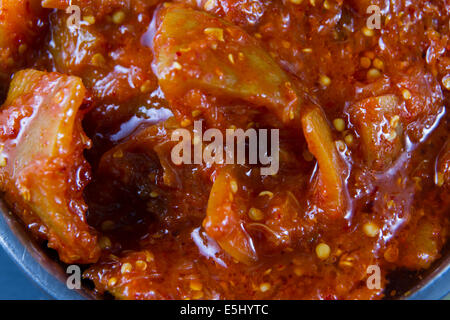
(51, 275)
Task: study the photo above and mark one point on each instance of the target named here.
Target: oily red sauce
(383, 94)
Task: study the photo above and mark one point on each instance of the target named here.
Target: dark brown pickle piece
(43, 171)
(140, 170)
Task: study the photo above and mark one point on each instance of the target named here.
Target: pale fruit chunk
(223, 222)
(330, 186)
(195, 50)
(44, 171)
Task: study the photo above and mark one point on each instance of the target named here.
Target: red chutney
(364, 176)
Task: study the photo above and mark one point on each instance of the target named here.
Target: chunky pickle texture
(44, 171)
(364, 160)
